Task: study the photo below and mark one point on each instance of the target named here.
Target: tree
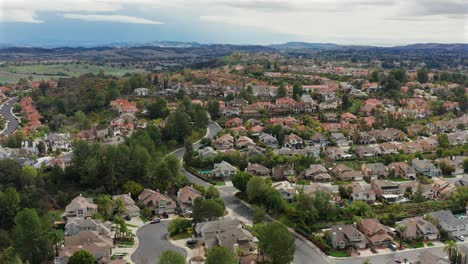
(240, 180)
(401, 231)
(297, 90)
(212, 192)
(443, 140)
(105, 206)
(256, 188)
(446, 168)
(158, 109)
(9, 206)
(276, 242)
(178, 126)
(451, 248)
(223, 255)
(133, 188)
(178, 226)
(345, 102)
(206, 210)
(418, 196)
(214, 109)
(282, 92)
(171, 257)
(31, 239)
(421, 75)
(81, 257)
(259, 214)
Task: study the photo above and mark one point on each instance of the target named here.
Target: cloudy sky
(371, 22)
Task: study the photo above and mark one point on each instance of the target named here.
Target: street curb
(187, 250)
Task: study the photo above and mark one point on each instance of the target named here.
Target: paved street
(5, 111)
(152, 242)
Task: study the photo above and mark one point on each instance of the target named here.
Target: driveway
(152, 242)
(12, 122)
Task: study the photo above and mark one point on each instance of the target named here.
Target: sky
(357, 22)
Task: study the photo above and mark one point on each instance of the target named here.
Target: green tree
(105, 206)
(158, 109)
(297, 91)
(133, 188)
(259, 214)
(345, 102)
(451, 248)
(421, 75)
(282, 92)
(206, 210)
(443, 140)
(212, 192)
(31, 240)
(178, 226)
(9, 206)
(276, 242)
(240, 180)
(171, 257)
(214, 109)
(256, 188)
(81, 257)
(217, 255)
(178, 126)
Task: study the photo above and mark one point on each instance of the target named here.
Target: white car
(461, 238)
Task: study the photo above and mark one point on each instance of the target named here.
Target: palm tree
(401, 229)
(451, 247)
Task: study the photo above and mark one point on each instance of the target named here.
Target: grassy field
(12, 73)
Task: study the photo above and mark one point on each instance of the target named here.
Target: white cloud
(18, 15)
(112, 18)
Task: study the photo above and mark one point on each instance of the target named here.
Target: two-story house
(81, 207)
(185, 198)
(346, 236)
(453, 225)
(157, 202)
(223, 171)
(425, 167)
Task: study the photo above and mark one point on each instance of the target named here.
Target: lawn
(220, 183)
(183, 235)
(339, 254)
(398, 179)
(430, 244)
(125, 244)
(12, 73)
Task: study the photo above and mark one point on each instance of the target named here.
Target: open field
(12, 73)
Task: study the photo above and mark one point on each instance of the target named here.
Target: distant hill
(330, 46)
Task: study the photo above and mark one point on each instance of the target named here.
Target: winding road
(6, 112)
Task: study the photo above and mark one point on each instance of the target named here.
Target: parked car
(393, 247)
(461, 238)
(165, 215)
(191, 243)
(155, 221)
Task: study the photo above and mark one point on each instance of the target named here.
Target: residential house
(402, 169)
(454, 162)
(347, 236)
(141, 92)
(410, 147)
(286, 189)
(185, 198)
(227, 232)
(418, 228)
(319, 140)
(244, 142)
(124, 106)
(81, 207)
(100, 246)
(157, 202)
(340, 140)
(223, 171)
(345, 173)
(377, 234)
(268, 140)
(131, 209)
(224, 142)
(293, 141)
(387, 190)
(429, 192)
(425, 167)
(207, 152)
(367, 152)
(258, 170)
(374, 171)
(337, 153)
(388, 149)
(234, 122)
(443, 188)
(282, 171)
(388, 134)
(453, 225)
(75, 225)
(317, 173)
(364, 138)
(362, 194)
